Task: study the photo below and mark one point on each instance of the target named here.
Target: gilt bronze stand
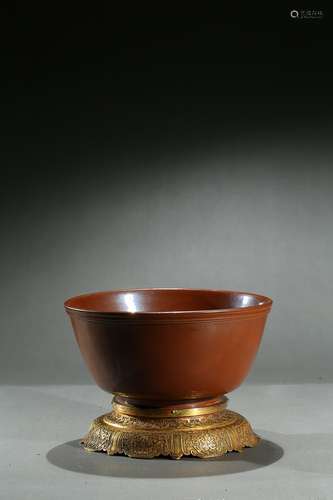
(138, 432)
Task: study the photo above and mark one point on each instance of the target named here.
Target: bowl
(166, 346)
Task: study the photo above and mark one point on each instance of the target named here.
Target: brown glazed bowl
(168, 346)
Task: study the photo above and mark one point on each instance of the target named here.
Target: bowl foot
(145, 433)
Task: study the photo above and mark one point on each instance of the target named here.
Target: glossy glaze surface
(169, 346)
(156, 300)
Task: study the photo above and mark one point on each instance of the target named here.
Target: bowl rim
(265, 304)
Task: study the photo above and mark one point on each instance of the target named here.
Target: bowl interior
(164, 300)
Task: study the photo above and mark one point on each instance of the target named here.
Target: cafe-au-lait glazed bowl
(168, 345)
(168, 350)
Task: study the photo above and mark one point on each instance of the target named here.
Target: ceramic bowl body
(166, 346)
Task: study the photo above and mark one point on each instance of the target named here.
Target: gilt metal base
(204, 432)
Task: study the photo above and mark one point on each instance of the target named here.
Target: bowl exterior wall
(169, 359)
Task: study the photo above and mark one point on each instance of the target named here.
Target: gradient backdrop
(189, 150)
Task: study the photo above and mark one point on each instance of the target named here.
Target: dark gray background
(167, 152)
